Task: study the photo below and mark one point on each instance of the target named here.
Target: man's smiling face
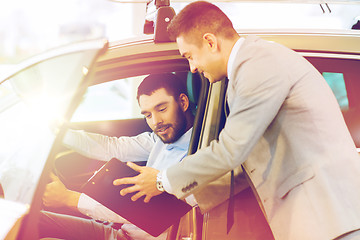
(164, 115)
(201, 59)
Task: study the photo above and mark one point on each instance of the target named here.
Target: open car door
(41, 91)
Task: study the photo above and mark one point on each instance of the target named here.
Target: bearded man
(164, 103)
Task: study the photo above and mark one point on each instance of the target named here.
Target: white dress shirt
(233, 53)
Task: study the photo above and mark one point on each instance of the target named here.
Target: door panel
(249, 222)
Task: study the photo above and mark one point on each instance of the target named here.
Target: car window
(337, 83)
(342, 75)
(30, 101)
(113, 100)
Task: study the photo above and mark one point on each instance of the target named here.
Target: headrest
(193, 85)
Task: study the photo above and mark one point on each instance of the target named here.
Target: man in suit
(285, 128)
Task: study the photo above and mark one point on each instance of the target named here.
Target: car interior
(67, 161)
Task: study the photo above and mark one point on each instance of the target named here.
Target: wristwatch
(159, 184)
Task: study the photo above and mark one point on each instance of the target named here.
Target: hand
(144, 183)
(136, 233)
(57, 195)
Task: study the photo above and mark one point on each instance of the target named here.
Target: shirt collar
(233, 53)
(182, 143)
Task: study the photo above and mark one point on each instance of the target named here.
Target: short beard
(179, 128)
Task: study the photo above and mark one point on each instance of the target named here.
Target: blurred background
(30, 27)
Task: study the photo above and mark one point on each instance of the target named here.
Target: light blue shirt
(143, 147)
(164, 155)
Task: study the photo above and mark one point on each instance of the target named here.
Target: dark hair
(172, 84)
(199, 18)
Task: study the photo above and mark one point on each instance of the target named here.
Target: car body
(65, 76)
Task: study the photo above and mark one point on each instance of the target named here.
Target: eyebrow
(157, 106)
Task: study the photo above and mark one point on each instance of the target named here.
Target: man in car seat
(164, 103)
(285, 129)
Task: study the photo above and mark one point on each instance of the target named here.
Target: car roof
(142, 51)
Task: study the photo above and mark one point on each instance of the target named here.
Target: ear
(184, 102)
(211, 41)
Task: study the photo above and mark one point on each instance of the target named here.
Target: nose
(156, 118)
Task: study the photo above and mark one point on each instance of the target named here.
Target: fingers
(53, 177)
(120, 181)
(45, 202)
(134, 166)
(131, 189)
(137, 196)
(127, 190)
(147, 198)
(45, 199)
(144, 184)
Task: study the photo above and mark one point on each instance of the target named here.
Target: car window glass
(30, 101)
(113, 100)
(337, 84)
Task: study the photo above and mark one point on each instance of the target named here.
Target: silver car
(91, 85)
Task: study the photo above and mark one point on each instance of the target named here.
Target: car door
(38, 92)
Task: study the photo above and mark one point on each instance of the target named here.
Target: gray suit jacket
(287, 130)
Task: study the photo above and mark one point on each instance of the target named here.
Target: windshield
(30, 102)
